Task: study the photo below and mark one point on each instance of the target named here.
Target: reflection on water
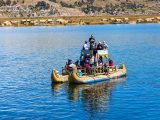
(94, 97)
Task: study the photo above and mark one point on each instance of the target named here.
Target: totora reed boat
(94, 65)
(75, 79)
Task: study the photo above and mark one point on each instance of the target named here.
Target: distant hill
(36, 8)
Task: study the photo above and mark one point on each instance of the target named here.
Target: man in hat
(91, 40)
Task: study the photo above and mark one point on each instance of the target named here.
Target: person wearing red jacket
(111, 62)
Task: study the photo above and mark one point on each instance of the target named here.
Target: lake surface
(28, 55)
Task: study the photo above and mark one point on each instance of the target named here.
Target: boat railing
(104, 70)
(112, 68)
(98, 70)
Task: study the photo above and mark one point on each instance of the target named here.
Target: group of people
(89, 61)
(94, 45)
(92, 63)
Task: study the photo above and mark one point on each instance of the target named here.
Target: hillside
(43, 8)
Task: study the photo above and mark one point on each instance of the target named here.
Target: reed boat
(113, 74)
(93, 65)
(56, 78)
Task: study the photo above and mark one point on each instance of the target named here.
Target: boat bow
(56, 78)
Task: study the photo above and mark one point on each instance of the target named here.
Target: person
(88, 67)
(111, 62)
(66, 66)
(92, 61)
(79, 73)
(91, 46)
(82, 61)
(74, 67)
(105, 46)
(77, 63)
(87, 58)
(69, 61)
(100, 65)
(99, 46)
(95, 46)
(85, 47)
(100, 60)
(91, 40)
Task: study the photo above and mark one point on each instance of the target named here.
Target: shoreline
(77, 20)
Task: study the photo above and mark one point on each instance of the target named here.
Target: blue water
(28, 54)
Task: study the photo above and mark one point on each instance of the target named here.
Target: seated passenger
(66, 66)
(69, 61)
(92, 61)
(111, 62)
(100, 60)
(87, 66)
(87, 58)
(100, 65)
(79, 73)
(82, 61)
(78, 63)
(74, 67)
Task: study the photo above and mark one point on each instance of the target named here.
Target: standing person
(105, 46)
(95, 46)
(91, 40)
(95, 49)
(99, 46)
(85, 47)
